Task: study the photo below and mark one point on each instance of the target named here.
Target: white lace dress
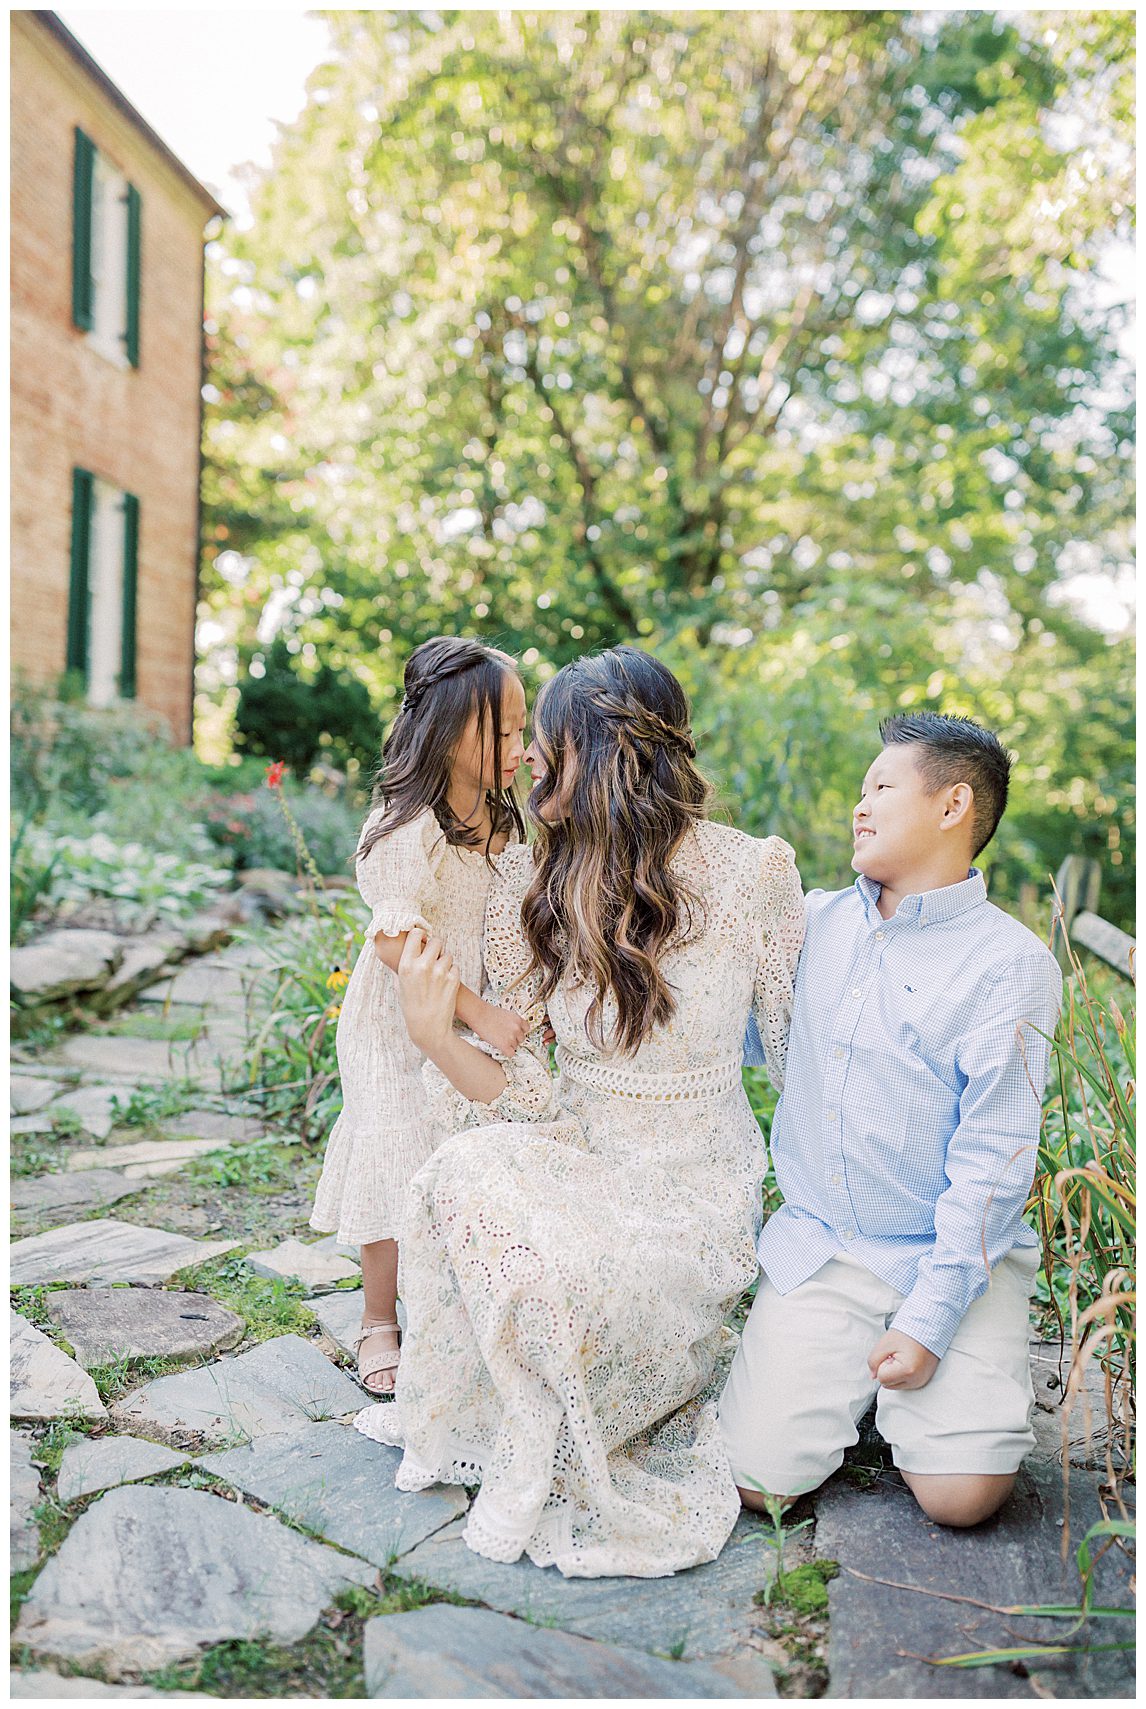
(566, 1273)
(387, 1130)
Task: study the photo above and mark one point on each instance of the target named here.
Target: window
(107, 229)
(102, 600)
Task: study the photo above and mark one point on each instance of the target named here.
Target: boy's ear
(958, 807)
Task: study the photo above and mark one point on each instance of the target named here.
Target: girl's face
(556, 806)
(475, 763)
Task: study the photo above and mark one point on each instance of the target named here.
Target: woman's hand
(501, 1028)
(427, 989)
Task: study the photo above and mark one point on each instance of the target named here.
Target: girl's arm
(429, 988)
(498, 1027)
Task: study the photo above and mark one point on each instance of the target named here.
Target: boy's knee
(960, 1499)
(758, 1502)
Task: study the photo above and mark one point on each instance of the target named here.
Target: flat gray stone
(143, 1158)
(143, 961)
(27, 1093)
(92, 1106)
(331, 1243)
(877, 1632)
(277, 1384)
(340, 1316)
(38, 1682)
(446, 1652)
(107, 1251)
(61, 962)
(708, 1608)
(106, 1324)
(315, 1270)
(203, 984)
(216, 1125)
(96, 1463)
(64, 1192)
(44, 1382)
(331, 1479)
(23, 1496)
(119, 1057)
(146, 1576)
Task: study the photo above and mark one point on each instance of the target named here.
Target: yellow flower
(338, 980)
(334, 1011)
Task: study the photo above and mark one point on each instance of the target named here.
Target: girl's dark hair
(446, 681)
(604, 904)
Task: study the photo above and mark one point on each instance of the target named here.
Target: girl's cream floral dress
(566, 1270)
(386, 1130)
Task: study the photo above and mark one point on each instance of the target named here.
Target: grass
(150, 1106)
(119, 1376)
(269, 1306)
(260, 1165)
(136, 1025)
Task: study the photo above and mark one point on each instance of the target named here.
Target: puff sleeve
(780, 935)
(397, 876)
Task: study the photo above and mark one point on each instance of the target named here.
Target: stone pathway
(211, 1487)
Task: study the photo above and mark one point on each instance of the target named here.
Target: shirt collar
(931, 906)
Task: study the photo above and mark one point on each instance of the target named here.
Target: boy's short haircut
(952, 750)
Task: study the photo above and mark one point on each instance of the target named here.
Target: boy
(904, 1144)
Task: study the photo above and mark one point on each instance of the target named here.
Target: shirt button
(879, 937)
(831, 1114)
(836, 1179)
(857, 990)
(839, 1052)
(849, 1233)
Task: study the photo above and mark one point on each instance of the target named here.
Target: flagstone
(316, 1270)
(272, 1387)
(121, 1057)
(96, 1463)
(968, 1578)
(218, 1125)
(144, 1157)
(200, 984)
(23, 1497)
(61, 962)
(44, 1382)
(28, 1092)
(340, 1315)
(447, 1653)
(107, 1251)
(147, 1576)
(331, 1479)
(67, 1192)
(38, 1682)
(106, 1324)
(707, 1609)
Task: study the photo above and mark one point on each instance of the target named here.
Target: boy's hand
(499, 1027)
(427, 989)
(898, 1362)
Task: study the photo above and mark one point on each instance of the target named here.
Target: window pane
(105, 605)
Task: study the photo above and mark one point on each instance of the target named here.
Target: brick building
(107, 233)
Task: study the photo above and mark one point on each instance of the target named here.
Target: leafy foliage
(285, 714)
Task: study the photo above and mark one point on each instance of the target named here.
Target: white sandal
(375, 1364)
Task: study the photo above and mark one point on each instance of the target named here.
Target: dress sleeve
(397, 876)
(780, 934)
(513, 984)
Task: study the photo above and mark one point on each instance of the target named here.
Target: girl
(424, 860)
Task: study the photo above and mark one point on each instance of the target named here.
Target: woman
(567, 1269)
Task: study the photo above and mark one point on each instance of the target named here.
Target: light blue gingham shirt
(907, 1131)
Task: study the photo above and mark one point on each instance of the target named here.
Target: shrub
(64, 755)
(285, 715)
(143, 883)
(252, 828)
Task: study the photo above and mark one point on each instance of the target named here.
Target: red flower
(275, 774)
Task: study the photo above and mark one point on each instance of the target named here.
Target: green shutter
(134, 228)
(130, 593)
(83, 490)
(83, 187)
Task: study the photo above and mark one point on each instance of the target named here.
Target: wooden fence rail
(1075, 908)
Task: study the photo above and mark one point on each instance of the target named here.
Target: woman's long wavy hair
(605, 904)
(446, 681)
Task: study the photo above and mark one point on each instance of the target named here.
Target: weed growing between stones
(32, 1303)
(269, 1306)
(149, 1106)
(139, 1025)
(119, 1376)
(259, 1165)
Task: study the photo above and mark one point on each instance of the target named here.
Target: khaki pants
(800, 1383)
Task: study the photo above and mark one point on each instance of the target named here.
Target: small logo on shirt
(910, 988)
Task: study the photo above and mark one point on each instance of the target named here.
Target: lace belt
(622, 1082)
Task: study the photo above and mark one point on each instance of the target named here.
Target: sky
(211, 83)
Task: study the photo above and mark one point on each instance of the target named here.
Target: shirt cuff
(929, 1321)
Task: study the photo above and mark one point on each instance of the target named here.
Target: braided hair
(605, 905)
(447, 681)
